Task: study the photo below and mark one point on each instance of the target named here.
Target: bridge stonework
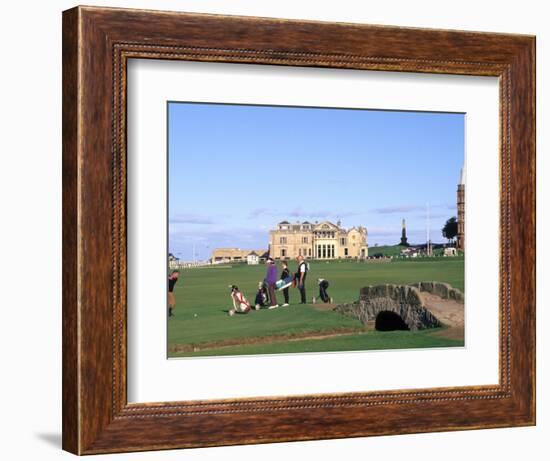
(403, 300)
(443, 290)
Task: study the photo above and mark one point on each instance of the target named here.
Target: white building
(253, 258)
(449, 251)
(173, 262)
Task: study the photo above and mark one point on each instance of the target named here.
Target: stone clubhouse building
(323, 240)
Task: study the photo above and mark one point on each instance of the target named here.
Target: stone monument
(404, 235)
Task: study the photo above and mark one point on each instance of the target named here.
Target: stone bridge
(403, 300)
(443, 290)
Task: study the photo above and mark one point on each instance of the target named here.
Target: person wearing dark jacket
(285, 274)
(301, 275)
(261, 296)
(323, 285)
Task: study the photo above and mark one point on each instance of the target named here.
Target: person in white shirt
(240, 304)
(301, 275)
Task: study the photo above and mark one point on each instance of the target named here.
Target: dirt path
(266, 339)
(448, 311)
(324, 306)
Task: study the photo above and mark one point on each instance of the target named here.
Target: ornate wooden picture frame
(97, 44)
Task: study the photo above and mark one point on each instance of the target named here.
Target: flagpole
(428, 245)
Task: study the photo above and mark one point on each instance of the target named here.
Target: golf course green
(201, 325)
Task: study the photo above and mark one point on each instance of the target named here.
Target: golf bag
(284, 283)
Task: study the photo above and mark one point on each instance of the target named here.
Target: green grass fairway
(386, 250)
(201, 325)
(395, 251)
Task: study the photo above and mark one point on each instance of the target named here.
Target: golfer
(323, 294)
(172, 279)
(240, 304)
(270, 280)
(285, 275)
(301, 275)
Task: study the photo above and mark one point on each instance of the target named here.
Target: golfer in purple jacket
(270, 280)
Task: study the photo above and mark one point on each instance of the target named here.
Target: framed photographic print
(286, 245)
(285, 230)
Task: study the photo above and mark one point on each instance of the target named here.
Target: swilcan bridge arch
(405, 301)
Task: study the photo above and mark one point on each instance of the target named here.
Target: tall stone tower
(404, 234)
(460, 239)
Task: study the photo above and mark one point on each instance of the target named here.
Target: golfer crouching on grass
(262, 297)
(240, 304)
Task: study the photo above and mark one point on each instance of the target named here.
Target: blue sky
(237, 170)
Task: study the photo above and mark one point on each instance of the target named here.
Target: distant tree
(450, 229)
